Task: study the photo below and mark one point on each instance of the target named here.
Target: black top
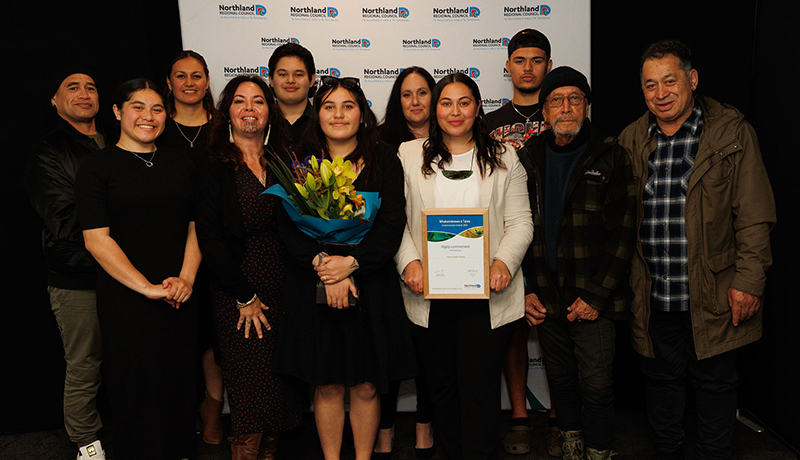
(173, 139)
(147, 209)
(296, 129)
(49, 179)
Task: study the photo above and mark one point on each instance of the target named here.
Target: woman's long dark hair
(169, 98)
(487, 150)
(394, 129)
(315, 143)
(219, 146)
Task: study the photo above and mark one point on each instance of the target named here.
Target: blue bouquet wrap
(342, 231)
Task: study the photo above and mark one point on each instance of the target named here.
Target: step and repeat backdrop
(375, 41)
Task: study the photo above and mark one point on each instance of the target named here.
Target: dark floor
(302, 444)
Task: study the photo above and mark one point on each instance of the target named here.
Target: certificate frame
(463, 282)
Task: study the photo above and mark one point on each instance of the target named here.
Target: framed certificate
(455, 255)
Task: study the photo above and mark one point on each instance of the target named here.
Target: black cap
(529, 38)
(564, 76)
(60, 73)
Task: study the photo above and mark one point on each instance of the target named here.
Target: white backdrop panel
(374, 41)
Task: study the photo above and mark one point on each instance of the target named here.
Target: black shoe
(426, 453)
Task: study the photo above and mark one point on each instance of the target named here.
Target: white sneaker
(93, 451)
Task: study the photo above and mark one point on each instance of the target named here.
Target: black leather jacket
(49, 179)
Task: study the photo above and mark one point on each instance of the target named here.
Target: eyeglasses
(573, 99)
(345, 82)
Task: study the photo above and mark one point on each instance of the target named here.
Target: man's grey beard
(573, 132)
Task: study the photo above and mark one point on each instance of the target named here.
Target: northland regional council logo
(418, 44)
(313, 13)
(492, 104)
(382, 74)
(349, 43)
(229, 72)
(329, 72)
(456, 13)
(239, 10)
(490, 43)
(270, 43)
(527, 12)
(472, 72)
(398, 13)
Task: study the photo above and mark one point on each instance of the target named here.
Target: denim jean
(578, 359)
(76, 314)
(714, 381)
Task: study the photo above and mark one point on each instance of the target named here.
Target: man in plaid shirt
(706, 212)
(576, 269)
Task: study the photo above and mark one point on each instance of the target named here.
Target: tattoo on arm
(354, 265)
(320, 256)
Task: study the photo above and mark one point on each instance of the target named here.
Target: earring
(230, 133)
(266, 139)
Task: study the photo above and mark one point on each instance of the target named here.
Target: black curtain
(119, 41)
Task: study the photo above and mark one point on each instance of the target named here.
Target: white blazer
(505, 193)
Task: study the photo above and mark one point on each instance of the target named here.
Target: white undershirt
(458, 193)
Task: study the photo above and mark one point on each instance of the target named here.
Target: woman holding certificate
(463, 341)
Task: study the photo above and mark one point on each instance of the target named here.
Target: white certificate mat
(456, 253)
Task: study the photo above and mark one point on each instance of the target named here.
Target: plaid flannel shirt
(597, 235)
(663, 231)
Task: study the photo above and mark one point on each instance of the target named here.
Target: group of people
(161, 248)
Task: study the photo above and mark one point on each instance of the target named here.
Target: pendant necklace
(149, 162)
(528, 124)
(460, 174)
(191, 142)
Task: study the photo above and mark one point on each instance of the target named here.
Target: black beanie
(60, 73)
(564, 76)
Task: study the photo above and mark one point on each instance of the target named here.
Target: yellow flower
(325, 172)
(301, 189)
(311, 183)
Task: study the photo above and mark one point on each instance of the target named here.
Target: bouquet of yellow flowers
(321, 199)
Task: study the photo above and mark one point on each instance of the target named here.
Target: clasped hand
(173, 290)
(335, 271)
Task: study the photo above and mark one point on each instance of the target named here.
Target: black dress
(148, 346)
(370, 342)
(193, 140)
(236, 227)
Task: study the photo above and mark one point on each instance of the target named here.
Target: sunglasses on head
(345, 82)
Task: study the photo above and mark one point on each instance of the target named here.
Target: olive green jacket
(729, 213)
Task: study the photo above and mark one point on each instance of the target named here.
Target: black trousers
(579, 359)
(462, 357)
(714, 381)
